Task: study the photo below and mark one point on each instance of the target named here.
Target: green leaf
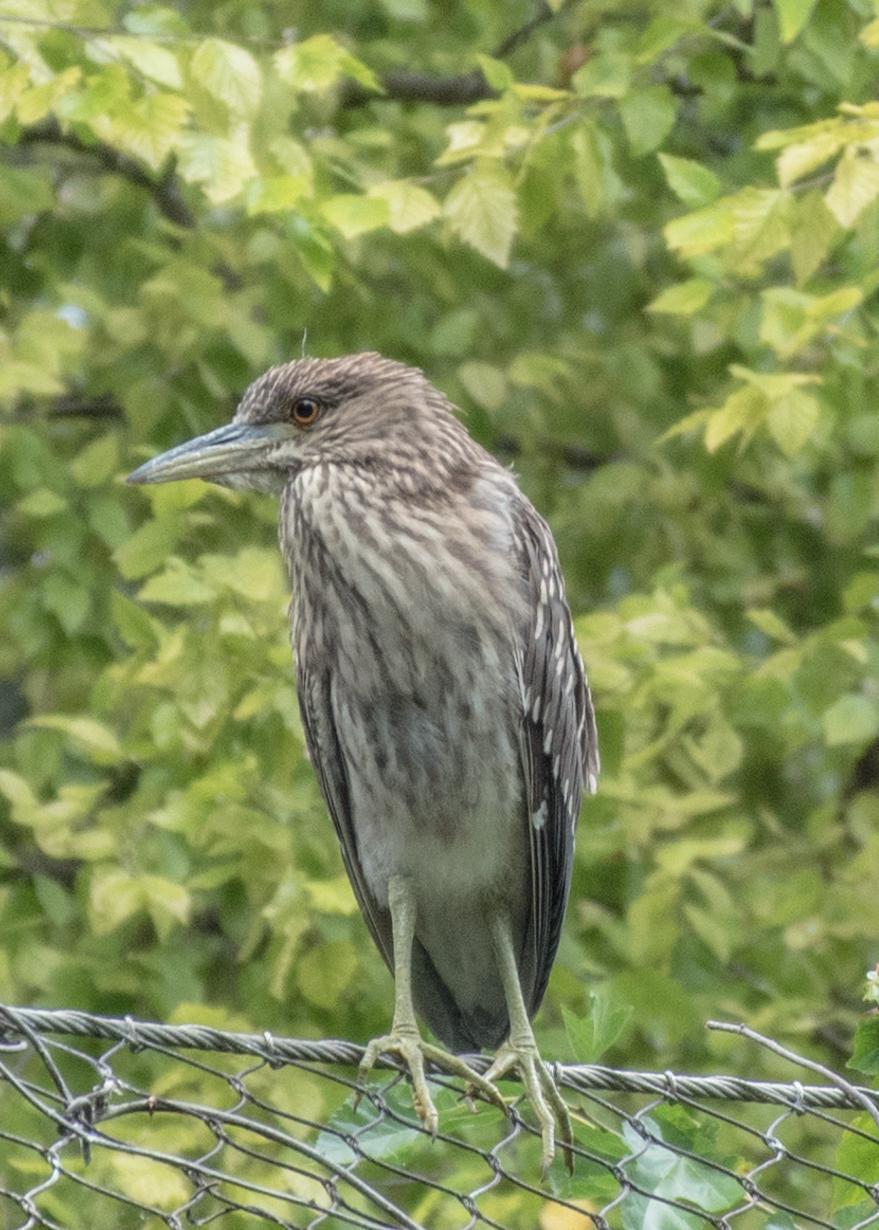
(406, 10)
(148, 59)
(34, 104)
(317, 63)
(662, 32)
(133, 624)
(315, 252)
(93, 737)
(176, 586)
(469, 139)
(498, 74)
(792, 16)
(167, 903)
(855, 186)
(354, 214)
(683, 299)
(793, 419)
(23, 194)
(293, 159)
(409, 205)
(481, 210)
(67, 599)
(605, 1024)
(222, 164)
(324, 972)
(16, 789)
(761, 220)
(114, 897)
(485, 383)
(852, 719)
(803, 157)
(813, 232)
(690, 181)
(97, 462)
(648, 117)
(703, 231)
(144, 1180)
(597, 180)
(857, 1157)
(276, 193)
(332, 896)
(149, 128)
(865, 1056)
(42, 503)
(231, 74)
(869, 36)
(14, 80)
(718, 752)
(770, 623)
(742, 412)
(792, 318)
(389, 1137)
(604, 76)
(675, 1177)
(147, 548)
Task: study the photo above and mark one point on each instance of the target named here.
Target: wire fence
(119, 1123)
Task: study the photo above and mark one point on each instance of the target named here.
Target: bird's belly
(435, 796)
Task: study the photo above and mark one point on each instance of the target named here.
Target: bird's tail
(463, 1029)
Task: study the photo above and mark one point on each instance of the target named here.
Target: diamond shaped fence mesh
(118, 1123)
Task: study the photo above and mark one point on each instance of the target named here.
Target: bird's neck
(354, 540)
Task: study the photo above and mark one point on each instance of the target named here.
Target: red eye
(305, 411)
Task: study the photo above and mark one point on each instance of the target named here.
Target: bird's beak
(228, 450)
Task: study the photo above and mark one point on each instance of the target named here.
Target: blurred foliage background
(638, 245)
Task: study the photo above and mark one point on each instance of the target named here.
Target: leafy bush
(639, 248)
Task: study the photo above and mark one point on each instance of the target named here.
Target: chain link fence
(118, 1123)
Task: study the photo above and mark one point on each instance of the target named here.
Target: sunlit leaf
(354, 215)
(792, 16)
(694, 184)
(230, 73)
(409, 205)
(481, 210)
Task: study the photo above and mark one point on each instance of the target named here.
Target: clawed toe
(414, 1051)
(540, 1089)
(542, 1094)
(410, 1050)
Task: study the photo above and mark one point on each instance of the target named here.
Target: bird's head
(357, 409)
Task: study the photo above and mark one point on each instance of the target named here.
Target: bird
(444, 702)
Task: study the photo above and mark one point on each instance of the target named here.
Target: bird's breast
(411, 613)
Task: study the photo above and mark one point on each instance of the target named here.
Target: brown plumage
(443, 698)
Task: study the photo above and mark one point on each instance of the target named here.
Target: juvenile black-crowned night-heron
(442, 693)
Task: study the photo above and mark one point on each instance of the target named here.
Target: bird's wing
(559, 745)
(321, 737)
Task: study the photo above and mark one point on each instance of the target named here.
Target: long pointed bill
(229, 450)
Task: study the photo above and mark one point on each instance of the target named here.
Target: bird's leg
(520, 1051)
(404, 1039)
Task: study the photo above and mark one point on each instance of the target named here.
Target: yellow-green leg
(520, 1051)
(404, 1039)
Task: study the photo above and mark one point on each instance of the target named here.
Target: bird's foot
(415, 1053)
(542, 1092)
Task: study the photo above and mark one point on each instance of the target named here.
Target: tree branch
(450, 91)
(406, 86)
(71, 405)
(164, 191)
(512, 41)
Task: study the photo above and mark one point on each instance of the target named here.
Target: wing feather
(558, 742)
(321, 737)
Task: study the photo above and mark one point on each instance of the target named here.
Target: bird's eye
(305, 411)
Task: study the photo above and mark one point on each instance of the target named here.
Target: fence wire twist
(134, 1127)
